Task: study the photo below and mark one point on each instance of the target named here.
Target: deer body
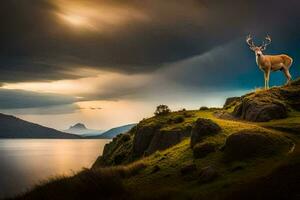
(270, 63)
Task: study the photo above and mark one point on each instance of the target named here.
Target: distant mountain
(78, 126)
(13, 127)
(111, 133)
(81, 129)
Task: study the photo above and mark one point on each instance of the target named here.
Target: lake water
(25, 162)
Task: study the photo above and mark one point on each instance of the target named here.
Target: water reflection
(24, 162)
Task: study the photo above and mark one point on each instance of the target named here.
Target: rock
(208, 174)
(201, 150)
(143, 138)
(223, 114)
(148, 140)
(229, 101)
(155, 169)
(118, 151)
(292, 96)
(188, 169)
(257, 110)
(202, 128)
(266, 105)
(250, 143)
(165, 139)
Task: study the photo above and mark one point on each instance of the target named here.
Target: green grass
(158, 175)
(173, 159)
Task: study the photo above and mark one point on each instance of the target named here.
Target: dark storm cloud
(18, 99)
(36, 46)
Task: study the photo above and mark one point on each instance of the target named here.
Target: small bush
(178, 119)
(162, 110)
(204, 108)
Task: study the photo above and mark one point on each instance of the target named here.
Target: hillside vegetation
(233, 155)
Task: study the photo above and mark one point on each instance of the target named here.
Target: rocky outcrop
(143, 138)
(150, 135)
(260, 111)
(250, 143)
(150, 139)
(231, 100)
(201, 128)
(118, 151)
(201, 150)
(266, 105)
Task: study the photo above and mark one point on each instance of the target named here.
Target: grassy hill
(240, 159)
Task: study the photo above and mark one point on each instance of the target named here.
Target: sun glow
(74, 19)
(94, 16)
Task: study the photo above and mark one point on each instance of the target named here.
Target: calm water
(25, 162)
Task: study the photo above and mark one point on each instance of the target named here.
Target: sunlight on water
(25, 162)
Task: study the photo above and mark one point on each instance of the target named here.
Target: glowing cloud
(96, 16)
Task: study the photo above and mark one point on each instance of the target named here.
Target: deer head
(258, 49)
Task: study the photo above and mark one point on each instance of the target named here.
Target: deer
(268, 63)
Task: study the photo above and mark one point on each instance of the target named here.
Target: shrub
(204, 108)
(178, 119)
(162, 110)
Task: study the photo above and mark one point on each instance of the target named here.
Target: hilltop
(249, 149)
(13, 127)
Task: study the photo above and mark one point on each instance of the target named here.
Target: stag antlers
(250, 41)
(264, 45)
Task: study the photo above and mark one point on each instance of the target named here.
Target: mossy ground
(160, 176)
(172, 160)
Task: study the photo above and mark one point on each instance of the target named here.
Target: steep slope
(111, 133)
(13, 127)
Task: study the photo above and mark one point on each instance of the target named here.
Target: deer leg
(268, 79)
(265, 77)
(287, 75)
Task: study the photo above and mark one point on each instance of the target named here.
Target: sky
(109, 63)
